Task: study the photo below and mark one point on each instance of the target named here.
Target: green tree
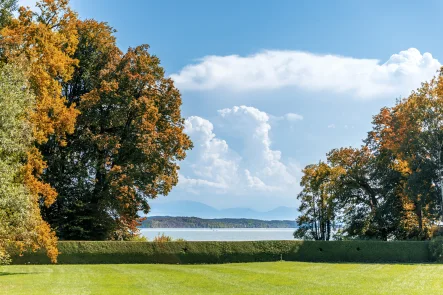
(7, 7)
(20, 220)
(46, 40)
(316, 203)
(75, 214)
(362, 197)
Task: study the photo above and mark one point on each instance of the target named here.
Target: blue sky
(271, 86)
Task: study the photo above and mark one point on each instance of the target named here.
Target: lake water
(221, 234)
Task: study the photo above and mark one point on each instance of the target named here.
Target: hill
(195, 222)
(197, 209)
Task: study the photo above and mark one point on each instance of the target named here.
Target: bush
(362, 251)
(436, 249)
(183, 252)
(162, 238)
(138, 238)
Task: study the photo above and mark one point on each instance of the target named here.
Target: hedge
(73, 252)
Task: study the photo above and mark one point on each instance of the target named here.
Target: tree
(6, 9)
(47, 41)
(75, 215)
(21, 224)
(392, 187)
(421, 150)
(361, 193)
(411, 133)
(128, 141)
(362, 197)
(317, 206)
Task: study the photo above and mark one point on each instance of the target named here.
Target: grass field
(244, 278)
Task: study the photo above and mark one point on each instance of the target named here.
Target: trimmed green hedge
(72, 252)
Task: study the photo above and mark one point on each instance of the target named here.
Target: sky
(269, 87)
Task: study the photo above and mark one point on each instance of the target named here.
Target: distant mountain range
(197, 209)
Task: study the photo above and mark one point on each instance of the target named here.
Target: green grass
(239, 278)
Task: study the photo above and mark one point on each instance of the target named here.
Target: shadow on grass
(367, 262)
(5, 273)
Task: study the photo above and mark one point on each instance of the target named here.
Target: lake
(221, 234)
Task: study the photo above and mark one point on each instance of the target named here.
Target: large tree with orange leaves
(392, 187)
(127, 144)
(410, 136)
(107, 128)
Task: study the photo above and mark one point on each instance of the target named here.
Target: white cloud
(214, 165)
(331, 126)
(362, 78)
(256, 183)
(290, 119)
(293, 117)
(192, 182)
(261, 160)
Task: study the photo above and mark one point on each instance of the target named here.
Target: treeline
(88, 133)
(390, 187)
(195, 222)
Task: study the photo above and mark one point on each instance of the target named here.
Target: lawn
(241, 278)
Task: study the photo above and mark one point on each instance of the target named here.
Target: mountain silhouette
(197, 209)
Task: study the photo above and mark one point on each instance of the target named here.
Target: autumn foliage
(106, 126)
(391, 187)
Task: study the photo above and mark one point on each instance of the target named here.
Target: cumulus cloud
(331, 126)
(256, 183)
(271, 69)
(215, 164)
(266, 163)
(255, 167)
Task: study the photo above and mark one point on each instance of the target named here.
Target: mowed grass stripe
(241, 278)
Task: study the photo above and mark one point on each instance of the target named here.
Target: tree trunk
(328, 225)
(419, 213)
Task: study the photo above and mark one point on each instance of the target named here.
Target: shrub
(162, 238)
(183, 252)
(361, 251)
(436, 248)
(4, 258)
(138, 238)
